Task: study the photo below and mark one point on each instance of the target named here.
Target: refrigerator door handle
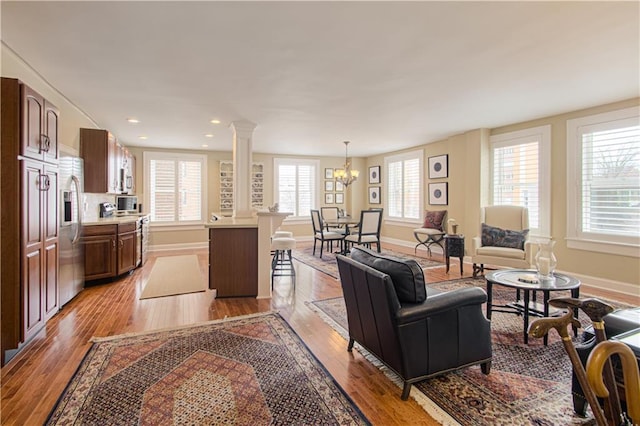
(76, 182)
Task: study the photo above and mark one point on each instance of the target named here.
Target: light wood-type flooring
(32, 382)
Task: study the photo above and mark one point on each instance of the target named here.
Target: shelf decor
(438, 194)
(439, 166)
(374, 174)
(374, 195)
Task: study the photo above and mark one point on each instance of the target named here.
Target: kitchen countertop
(231, 222)
(113, 219)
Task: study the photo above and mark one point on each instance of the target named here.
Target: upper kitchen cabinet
(39, 126)
(106, 163)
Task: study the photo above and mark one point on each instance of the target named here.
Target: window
(296, 185)
(404, 186)
(520, 164)
(603, 182)
(175, 187)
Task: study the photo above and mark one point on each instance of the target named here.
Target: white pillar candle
(544, 265)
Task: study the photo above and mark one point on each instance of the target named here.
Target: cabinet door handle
(113, 243)
(45, 143)
(44, 183)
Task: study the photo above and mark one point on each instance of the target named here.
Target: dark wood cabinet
(233, 261)
(99, 242)
(30, 217)
(110, 250)
(99, 150)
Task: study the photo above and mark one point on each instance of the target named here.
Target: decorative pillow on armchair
(434, 219)
(498, 237)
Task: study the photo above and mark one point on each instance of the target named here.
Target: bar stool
(282, 262)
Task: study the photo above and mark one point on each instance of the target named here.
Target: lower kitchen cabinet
(109, 250)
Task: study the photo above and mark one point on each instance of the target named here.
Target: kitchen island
(240, 254)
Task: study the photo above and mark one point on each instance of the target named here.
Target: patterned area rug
(528, 384)
(304, 253)
(247, 371)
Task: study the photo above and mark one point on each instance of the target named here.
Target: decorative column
(242, 148)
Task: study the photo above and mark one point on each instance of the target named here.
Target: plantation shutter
(287, 188)
(189, 181)
(403, 188)
(516, 176)
(296, 185)
(175, 190)
(412, 189)
(163, 190)
(394, 189)
(610, 186)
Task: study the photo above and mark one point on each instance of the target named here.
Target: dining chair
(368, 230)
(330, 215)
(320, 234)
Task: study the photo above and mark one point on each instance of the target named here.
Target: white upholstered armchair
(503, 239)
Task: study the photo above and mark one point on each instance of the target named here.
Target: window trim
(410, 155)
(542, 134)
(576, 239)
(176, 156)
(277, 161)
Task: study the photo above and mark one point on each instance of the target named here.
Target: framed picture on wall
(374, 174)
(339, 198)
(328, 198)
(328, 173)
(374, 195)
(328, 185)
(439, 166)
(438, 194)
(339, 186)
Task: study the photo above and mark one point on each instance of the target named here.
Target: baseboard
(605, 284)
(435, 249)
(180, 246)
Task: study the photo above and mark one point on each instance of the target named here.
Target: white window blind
(404, 186)
(520, 174)
(296, 185)
(606, 172)
(175, 187)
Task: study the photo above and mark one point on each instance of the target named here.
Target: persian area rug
(172, 275)
(304, 254)
(528, 384)
(251, 370)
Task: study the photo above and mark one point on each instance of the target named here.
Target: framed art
(374, 195)
(339, 186)
(339, 198)
(328, 173)
(328, 185)
(328, 198)
(438, 194)
(374, 174)
(439, 166)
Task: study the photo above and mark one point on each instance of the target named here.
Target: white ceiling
(384, 75)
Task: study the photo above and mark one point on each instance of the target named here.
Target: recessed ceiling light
(204, 145)
(142, 137)
(208, 135)
(133, 120)
(215, 121)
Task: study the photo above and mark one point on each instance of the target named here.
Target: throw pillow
(434, 219)
(406, 274)
(498, 237)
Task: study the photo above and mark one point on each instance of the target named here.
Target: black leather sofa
(415, 331)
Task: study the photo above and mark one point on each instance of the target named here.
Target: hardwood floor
(33, 381)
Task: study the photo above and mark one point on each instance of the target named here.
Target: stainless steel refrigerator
(71, 275)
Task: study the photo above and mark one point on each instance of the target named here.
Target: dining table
(346, 222)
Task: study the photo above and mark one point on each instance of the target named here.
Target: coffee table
(526, 307)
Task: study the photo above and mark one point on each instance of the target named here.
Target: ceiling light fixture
(142, 137)
(215, 121)
(208, 135)
(204, 145)
(133, 120)
(346, 176)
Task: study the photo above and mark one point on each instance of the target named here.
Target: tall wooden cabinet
(30, 221)
(109, 167)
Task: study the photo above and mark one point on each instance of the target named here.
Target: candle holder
(546, 261)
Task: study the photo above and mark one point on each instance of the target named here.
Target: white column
(242, 148)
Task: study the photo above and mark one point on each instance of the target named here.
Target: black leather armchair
(434, 333)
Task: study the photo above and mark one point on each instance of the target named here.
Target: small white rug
(173, 275)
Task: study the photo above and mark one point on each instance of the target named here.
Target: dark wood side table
(454, 246)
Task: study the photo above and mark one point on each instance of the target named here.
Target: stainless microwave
(126, 203)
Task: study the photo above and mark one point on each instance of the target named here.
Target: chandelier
(345, 175)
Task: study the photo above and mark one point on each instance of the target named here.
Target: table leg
(446, 257)
(489, 299)
(461, 270)
(526, 317)
(575, 293)
(546, 313)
